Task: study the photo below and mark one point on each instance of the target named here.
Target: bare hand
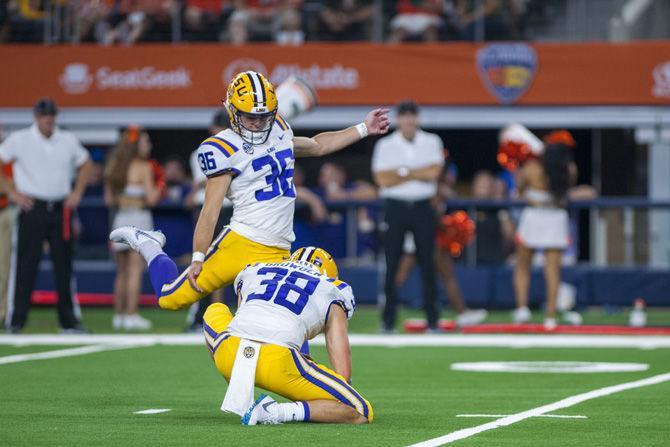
(378, 121)
(22, 201)
(193, 273)
(72, 200)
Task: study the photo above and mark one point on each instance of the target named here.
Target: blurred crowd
(322, 216)
(125, 22)
(413, 176)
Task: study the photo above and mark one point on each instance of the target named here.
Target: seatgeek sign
(453, 74)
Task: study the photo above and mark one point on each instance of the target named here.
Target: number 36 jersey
(262, 188)
(286, 303)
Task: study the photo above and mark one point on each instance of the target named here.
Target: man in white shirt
(406, 165)
(46, 160)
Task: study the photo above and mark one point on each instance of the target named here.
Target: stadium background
(597, 68)
(601, 70)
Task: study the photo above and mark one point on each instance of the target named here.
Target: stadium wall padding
(483, 287)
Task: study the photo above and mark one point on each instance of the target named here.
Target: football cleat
(134, 237)
(261, 412)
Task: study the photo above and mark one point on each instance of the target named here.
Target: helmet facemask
(251, 136)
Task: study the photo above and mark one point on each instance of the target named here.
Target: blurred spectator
(334, 187)
(446, 183)
(444, 263)
(310, 213)
(91, 15)
(27, 20)
(202, 19)
(96, 181)
(406, 165)
(4, 22)
(130, 187)
(317, 209)
(173, 221)
(345, 20)
(176, 180)
(495, 229)
(417, 19)
(499, 19)
(131, 21)
(266, 21)
(46, 159)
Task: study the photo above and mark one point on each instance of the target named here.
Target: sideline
(391, 341)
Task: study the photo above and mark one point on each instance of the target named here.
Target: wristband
(362, 130)
(197, 257)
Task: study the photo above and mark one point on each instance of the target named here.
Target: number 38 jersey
(262, 188)
(286, 303)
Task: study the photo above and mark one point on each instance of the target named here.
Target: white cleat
(136, 323)
(261, 412)
(572, 317)
(134, 237)
(471, 317)
(118, 322)
(550, 324)
(521, 315)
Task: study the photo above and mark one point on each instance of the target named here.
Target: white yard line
(557, 416)
(60, 353)
(564, 403)
(391, 341)
(153, 411)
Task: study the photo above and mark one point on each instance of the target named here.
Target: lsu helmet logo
(507, 69)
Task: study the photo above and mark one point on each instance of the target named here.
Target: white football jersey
(262, 190)
(286, 303)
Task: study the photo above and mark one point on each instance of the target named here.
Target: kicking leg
(149, 244)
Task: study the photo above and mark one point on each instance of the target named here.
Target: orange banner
(343, 74)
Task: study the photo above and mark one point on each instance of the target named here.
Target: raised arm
(337, 342)
(215, 190)
(376, 123)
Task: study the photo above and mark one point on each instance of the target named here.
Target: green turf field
(90, 399)
(366, 319)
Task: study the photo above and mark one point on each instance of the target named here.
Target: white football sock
(149, 250)
(292, 411)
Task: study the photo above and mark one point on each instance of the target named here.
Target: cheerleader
(130, 187)
(543, 224)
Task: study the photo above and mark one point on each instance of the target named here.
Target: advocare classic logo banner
(507, 69)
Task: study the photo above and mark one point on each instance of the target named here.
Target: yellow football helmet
(318, 257)
(251, 97)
